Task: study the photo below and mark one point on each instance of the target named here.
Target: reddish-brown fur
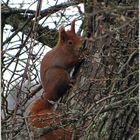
(57, 63)
(42, 115)
(54, 72)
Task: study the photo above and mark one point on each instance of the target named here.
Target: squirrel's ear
(73, 26)
(62, 33)
(61, 29)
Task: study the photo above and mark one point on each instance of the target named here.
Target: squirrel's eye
(70, 42)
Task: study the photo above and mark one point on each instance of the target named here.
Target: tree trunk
(104, 99)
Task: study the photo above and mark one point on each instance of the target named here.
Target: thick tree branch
(17, 17)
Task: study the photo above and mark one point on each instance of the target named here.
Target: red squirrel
(55, 79)
(58, 62)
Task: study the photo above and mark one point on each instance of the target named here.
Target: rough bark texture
(105, 96)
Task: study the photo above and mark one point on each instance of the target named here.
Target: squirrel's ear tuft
(61, 29)
(62, 33)
(73, 26)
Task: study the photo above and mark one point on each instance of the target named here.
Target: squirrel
(58, 62)
(55, 79)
